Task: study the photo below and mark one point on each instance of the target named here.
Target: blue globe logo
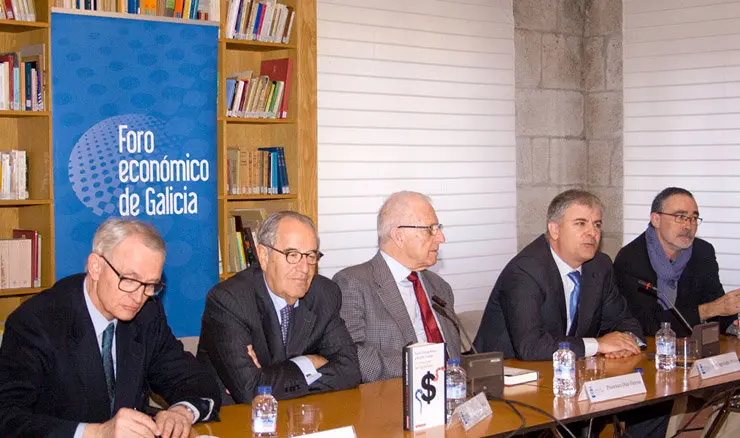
(93, 163)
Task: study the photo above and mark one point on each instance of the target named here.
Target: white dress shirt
(406, 288)
(590, 345)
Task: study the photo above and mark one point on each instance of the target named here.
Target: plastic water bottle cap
(453, 362)
(639, 370)
(564, 345)
(264, 390)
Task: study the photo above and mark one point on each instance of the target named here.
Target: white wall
(419, 95)
(682, 115)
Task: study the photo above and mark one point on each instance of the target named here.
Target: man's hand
(317, 360)
(617, 344)
(253, 355)
(174, 422)
(126, 423)
(726, 305)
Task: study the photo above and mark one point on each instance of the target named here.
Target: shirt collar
(399, 271)
(278, 302)
(100, 322)
(563, 267)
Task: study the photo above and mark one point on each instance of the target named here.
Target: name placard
(613, 387)
(472, 411)
(716, 366)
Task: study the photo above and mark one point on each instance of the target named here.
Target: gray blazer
(377, 320)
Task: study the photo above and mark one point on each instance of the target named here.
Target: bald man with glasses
(278, 324)
(80, 358)
(683, 267)
(387, 301)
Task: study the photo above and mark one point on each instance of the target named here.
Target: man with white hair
(387, 301)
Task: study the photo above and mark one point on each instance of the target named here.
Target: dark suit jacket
(699, 284)
(525, 315)
(377, 318)
(239, 312)
(51, 370)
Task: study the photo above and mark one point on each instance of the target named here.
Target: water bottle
(456, 386)
(264, 413)
(665, 348)
(564, 371)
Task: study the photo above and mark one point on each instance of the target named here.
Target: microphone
(648, 287)
(440, 306)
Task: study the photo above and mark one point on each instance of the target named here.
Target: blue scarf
(668, 271)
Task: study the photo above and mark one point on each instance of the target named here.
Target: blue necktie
(110, 377)
(575, 276)
(286, 316)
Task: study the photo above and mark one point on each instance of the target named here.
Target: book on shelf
(263, 96)
(263, 20)
(13, 175)
(23, 78)
(257, 172)
(19, 10)
(35, 238)
(185, 9)
(423, 385)
(15, 263)
(242, 242)
(517, 376)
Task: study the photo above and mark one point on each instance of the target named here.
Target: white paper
(340, 432)
(716, 365)
(613, 387)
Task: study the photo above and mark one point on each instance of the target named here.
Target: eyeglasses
(433, 228)
(682, 218)
(131, 285)
(294, 257)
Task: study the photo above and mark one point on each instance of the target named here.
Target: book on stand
(424, 388)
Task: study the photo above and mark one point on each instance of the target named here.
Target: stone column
(552, 154)
(603, 115)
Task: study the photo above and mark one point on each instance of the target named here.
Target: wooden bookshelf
(297, 133)
(30, 131)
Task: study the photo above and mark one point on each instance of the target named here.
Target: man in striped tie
(387, 301)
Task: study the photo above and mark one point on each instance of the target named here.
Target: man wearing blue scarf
(683, 267)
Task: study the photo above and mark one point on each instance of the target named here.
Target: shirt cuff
(80, 431)
(307, 368)
(590, 347)
(191, 408)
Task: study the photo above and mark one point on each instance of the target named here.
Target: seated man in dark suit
(279, 325)
(560, 288)
(386, 301)
(79, 359)
(683, 267)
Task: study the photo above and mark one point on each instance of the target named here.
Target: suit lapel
(387, 291)
(270, 322)
(555, 287)
(299, 335)
(587, 300)
(129, 365)
(85, 353)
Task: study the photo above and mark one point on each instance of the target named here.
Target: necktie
(575, 276)
(430, 324)
(110, 377)
(286, 317)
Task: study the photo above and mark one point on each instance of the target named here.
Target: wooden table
(375, 409)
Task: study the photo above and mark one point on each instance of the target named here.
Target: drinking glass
(303, 419)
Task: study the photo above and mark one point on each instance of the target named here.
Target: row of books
(263, 96)
(21, 10)
(257, 172)
(20, 260)
(244, 224)
(265, 20)
(187, 9)
(23, 78)
(13, 175)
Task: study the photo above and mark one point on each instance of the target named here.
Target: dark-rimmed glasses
(293, 256)
(433, 228)
(682, 218)
(131, 285)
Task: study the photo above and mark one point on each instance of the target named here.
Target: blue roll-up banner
(134, 135)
